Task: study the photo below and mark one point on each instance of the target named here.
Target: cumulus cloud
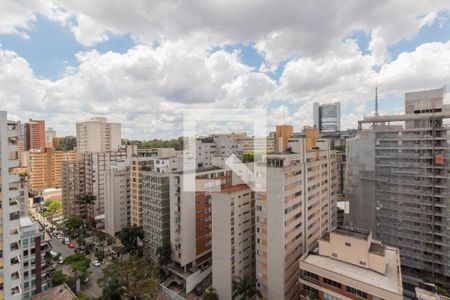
(147, 87)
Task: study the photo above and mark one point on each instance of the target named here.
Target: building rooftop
(235, 188)
(60, 292)
(199, 170)
(353, 232)
(389, 281)
(377, 248)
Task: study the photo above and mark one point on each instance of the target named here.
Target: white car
(59, 237)
(60, 261)
(53, 253)
(66, 241)
(96, 263)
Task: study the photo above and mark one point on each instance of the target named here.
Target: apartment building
(35, 275)
(34, 134)
(161, 160)
(298, 207)
(190, 226)
(73, 186)
(156, 212)
(255, 144)
(45, 167)
(398, 185)
(327, 117)
(282, 135)
(233, 237)
(117, 202)
(12, 190)
(349, 264)
(98, 135)
(50, 134)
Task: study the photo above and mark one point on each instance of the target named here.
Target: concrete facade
(349, 264)
(297, 208)
(97, 135)
(117, 202)
(409, 183)
(233, 237)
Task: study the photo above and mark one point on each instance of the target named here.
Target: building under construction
(398, 184)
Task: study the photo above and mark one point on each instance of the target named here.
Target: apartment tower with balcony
(11, 192)
(298, 207)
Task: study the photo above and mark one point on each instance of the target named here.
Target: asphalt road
(90, 288)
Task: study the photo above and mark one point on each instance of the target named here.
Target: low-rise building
(349, 264)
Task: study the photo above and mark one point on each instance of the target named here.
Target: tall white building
(50, 134)
(98, 135)
(11, 192)
(327, 117)
(117, 202)
(297, 208)
(233, 237)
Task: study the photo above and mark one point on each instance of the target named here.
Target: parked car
(66, 240)
(54, 234)
(53, 253)
(60, 261)
(79, 250)
(58, 236)
(96, 263)
(71, 245)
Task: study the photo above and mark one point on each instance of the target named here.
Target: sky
(142, 62)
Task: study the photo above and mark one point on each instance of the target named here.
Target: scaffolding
(411, 177)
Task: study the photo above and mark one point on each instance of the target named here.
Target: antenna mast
(376, 101)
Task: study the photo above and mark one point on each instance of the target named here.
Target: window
(362, 263)
(310, 289)
(332, 283)
(334, 254)
(330, 297)
(356, 292)
(310, 275)
(348, 244)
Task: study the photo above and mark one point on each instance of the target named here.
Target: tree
(210, 294)
(245, 288)
(79, 263)
(51, 208)
(99, 254)
(248, 157)
(129, 236)
(58, 277)
(68, 143)
(74, 223)
(87, 201)
(132, 279)
(111, 291)
(164, 255)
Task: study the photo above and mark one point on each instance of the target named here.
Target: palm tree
(87, 200)
(210, 294)
(244, 288)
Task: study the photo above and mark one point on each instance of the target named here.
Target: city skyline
(66, 62)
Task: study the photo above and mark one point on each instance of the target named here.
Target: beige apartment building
(349, 264)
(160, 160)
(117, 202)
(257, 145)
(282, 135)
(73, 186)
(233, 237)
(98, 135)
(298, 207)
(45, 167)
(190, 227)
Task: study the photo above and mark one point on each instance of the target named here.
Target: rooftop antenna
(376, 101)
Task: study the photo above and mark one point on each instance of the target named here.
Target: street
(90, 288)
